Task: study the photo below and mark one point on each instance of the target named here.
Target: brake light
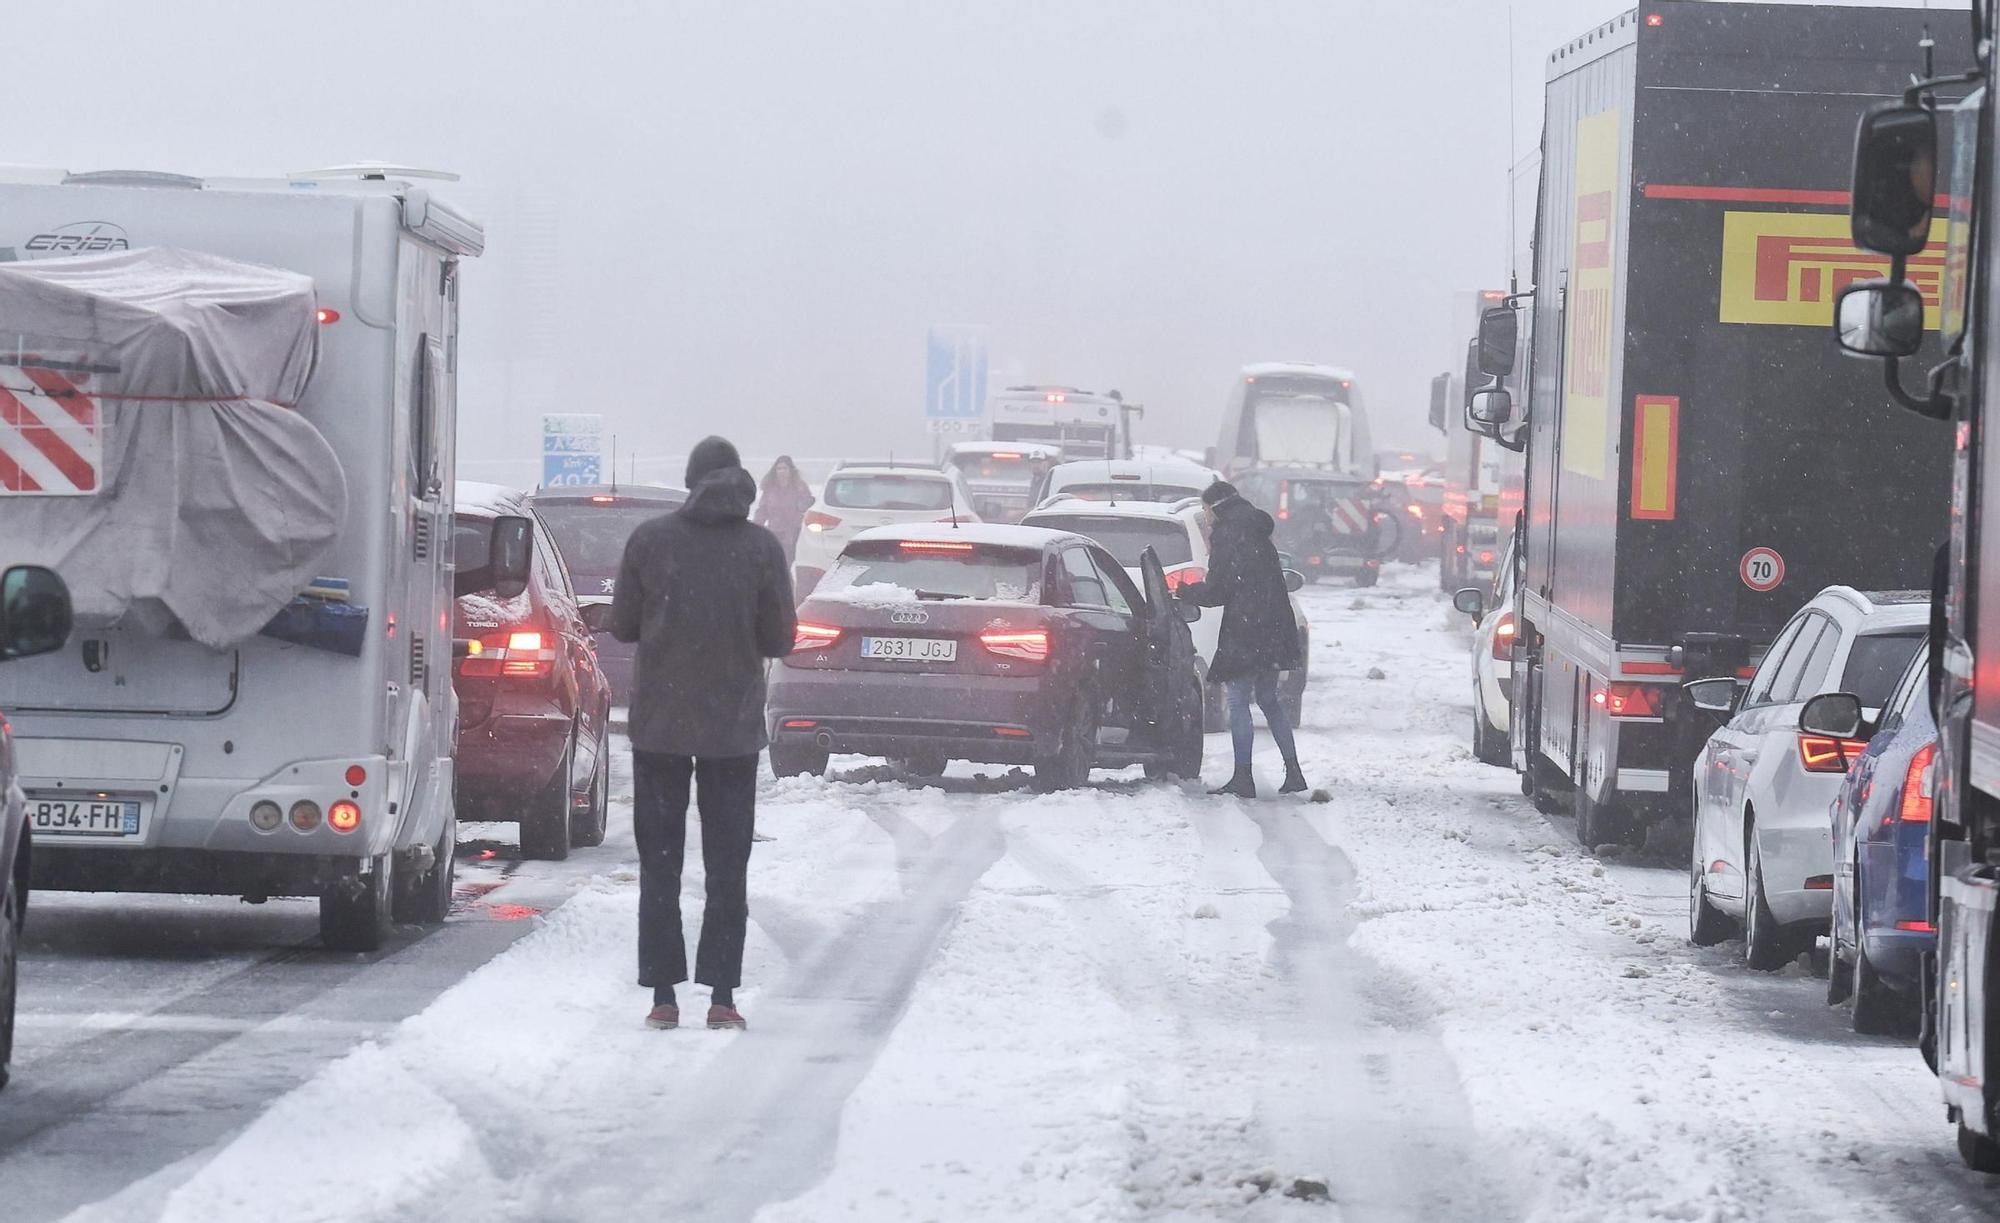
(1627, 700)
(1823, 754)
(1921, 927)
(817, 521)
(1503, 637)
(1005, 456)
(1029, 644)
(343, 816)
(1919, 789)
(602, 499)
(1486, 558)
(1416, 511)
(935, 546)
(1186, 575)
(1284, 501)
(814, 636)
(515, 654)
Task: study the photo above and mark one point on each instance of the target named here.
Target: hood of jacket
(721, 496)
(1240, 515)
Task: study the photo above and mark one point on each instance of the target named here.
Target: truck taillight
(1029, 644)
(1629, 700)
(1503, 637)
(513, 654)
(817, 521)
(1919, 787)
(1284, 500)
(1825, 754)
(1186, 575)
(814, 636)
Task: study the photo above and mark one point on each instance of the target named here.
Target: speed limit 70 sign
(1761, 569)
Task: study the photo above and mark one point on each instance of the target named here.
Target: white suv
(857, 498)
(1763, 855)
(1174, 531)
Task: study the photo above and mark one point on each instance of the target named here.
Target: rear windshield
(592, 537)
(1875, 664)
(995, 469)
(889, 493)
(1126, 538)
(1123, 490)
(900, 570)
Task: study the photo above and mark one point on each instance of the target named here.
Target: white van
(172, 746)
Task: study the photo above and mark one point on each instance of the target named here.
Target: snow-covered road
(1417, 1001)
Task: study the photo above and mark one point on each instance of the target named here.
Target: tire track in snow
(1374, 1096)
(761, 1122)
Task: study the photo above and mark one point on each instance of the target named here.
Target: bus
(1295, 415)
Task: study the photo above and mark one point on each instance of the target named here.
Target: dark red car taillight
(809, 636)
(510, 654)
(1031, 645)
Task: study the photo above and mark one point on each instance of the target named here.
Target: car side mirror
(1188, 612)
(1895, 179)
(1472, 601)
(1879, 318)
(1492, 407)
(1716, 696)
(34, 612)
(1287, 561)
(512, 552)
(597, 617)
(1294, 581)
(1834, 714)
(1499, 332)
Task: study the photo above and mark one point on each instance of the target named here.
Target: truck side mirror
(1499, 331)
(512, 552)
(34, 612)
(1490, 407)
(1895, 179)
(1440, 401)
(1879, 318)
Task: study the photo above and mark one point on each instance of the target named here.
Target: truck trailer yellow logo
(1592, 297)
(1787, 267)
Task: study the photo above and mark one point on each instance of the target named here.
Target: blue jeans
(1263, 688)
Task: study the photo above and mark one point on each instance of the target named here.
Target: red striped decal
(27, 427)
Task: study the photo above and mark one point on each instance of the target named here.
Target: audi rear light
(1186, 575)
(1919, 788)
(817, 521)
(1825, 754)
(814, 636)
(1503, 637)
(1029, 644)
(1628, 700)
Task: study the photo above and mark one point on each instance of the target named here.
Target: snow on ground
(970, 1002)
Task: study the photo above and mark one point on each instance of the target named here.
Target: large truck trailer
(1697, 468)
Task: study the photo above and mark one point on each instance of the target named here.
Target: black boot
(1295, 781)
(1240, 783)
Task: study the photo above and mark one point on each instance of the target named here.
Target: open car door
(1169, 655)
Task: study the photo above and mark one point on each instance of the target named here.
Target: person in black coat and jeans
(1258, 639)
(707, 595)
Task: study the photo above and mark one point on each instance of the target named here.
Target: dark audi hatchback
(993, 644)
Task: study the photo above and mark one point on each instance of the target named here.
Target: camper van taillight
(328, 314)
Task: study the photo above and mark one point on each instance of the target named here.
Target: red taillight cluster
(1825, 754)
(1503, 637)
(1029, 644)
(513, 654)
(1186, 575)
(817, 521)
(1627, 700)
(1919, 787)
(810, 636)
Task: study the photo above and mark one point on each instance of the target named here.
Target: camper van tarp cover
(149, 450)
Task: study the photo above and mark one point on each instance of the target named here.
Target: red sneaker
(664, 1017)
(720, 1017)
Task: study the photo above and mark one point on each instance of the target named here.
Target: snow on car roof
(990, 534)
(488, 498)
(1029, 449)
(1154, 471)
(1078, 507)
(1265, 369)
(922, 473)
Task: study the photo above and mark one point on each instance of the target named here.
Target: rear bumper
(187, 871)
(1791, 857)
(512, 754)
(885, 714)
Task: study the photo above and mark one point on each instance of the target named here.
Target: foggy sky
(742, 217)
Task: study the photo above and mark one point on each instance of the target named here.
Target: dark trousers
(726, 792)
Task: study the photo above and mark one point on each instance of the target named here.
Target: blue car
(1881, 872)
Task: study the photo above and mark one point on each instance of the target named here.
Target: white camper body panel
(1326, 426)
(198, 736)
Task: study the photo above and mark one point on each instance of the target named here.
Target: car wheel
(1707, 925)
(1489, 744)
(921, 764)
(356, 913)
(797, 760)
(1596, 823)
(1367, 576)
(10, 950)
(545, 824)
(1980, 1153)
(1075, 752)
(1878, 1009)
(426, 899)
(1766, 944)
(587, 827)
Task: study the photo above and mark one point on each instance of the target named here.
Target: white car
(1174, 531)
(1763, 855)
(1126, 480)
(857, 498)
(1492, 663)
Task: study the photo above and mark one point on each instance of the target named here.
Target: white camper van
(227, 418)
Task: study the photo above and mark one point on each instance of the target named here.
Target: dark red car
(591, 523)
(534, 706)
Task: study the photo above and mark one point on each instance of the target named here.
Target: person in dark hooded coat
(1258, 638)
(707, 594)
